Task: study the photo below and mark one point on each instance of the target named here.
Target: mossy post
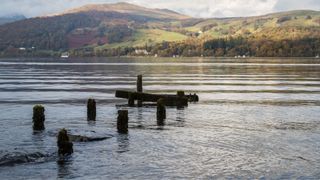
(139, 88)
(130, 100)
(65, 147)
(161, 112)
(180, 93)
(122, 121)
(91, 110)
(38, 117)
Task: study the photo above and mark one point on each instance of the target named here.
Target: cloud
(195, 8)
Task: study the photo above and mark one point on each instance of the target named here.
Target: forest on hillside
(222, 47)
(149, 32)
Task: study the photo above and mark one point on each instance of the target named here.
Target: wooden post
(180, 94)
(64, 145)
(139, 83)
(130, 100)
(122, 121)
(196, 97)
(193, 98)
(91, 110)
(161, 112)
(38, 117)
(139, 88)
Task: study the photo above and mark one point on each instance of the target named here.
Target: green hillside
(104, 27)
(274, 26)
(217, 28)
(142, 37)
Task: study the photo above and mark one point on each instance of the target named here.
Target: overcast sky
(195, 8)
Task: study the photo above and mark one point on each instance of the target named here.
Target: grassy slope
(123, 7)
(149, 36)
(258, 26)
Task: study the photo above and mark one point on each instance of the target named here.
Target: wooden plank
(169, 100)
(153, 97)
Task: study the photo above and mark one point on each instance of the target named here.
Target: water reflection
(91, 123)
(38, 140)
(180, 117)
(252, 117)
(64, 168)
(123, 143)
(140, 115)
(161, 123)
(37, 135)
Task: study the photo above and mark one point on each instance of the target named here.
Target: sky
(194, 8)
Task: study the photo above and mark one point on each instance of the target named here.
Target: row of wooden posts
(122, 120)
(64, 144)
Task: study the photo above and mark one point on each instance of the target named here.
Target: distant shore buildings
(65, 55)
(141, 52)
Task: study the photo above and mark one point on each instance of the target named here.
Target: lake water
(257, 118)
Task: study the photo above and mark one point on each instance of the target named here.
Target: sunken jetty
(179, 99)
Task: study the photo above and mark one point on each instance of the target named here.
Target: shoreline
(151, 57)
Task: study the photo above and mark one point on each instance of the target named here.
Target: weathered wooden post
(38, 117)
(196, 97)
(64, 145)
(130, 100)
(122, 121)
(180, 93)
(139, 88)
(91, 110)
(161, 112)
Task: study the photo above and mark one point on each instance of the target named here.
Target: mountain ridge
(123, 7)
(11, 18)
(100, 27)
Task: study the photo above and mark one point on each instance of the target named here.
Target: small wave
(294, 126)
(11, 159)
(83, 136)
(60, 101)
(264, 102)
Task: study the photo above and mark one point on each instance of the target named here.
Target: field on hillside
(217, 28)
(97, 30)
(147, 36)
(286, 25)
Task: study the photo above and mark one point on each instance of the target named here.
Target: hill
(270, 25)
(131, 9)
(101, 29)
(9, 19)
(90, 25)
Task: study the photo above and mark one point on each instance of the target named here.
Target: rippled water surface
(256, 118)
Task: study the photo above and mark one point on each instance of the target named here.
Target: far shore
(152, 57)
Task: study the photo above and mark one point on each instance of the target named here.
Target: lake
(256, 118)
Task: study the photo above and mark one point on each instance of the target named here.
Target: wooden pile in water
(180, 99)
(64, 140)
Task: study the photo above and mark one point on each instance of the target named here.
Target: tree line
(222, 47)
(194, 47)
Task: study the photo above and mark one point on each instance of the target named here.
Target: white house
(141, 51)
